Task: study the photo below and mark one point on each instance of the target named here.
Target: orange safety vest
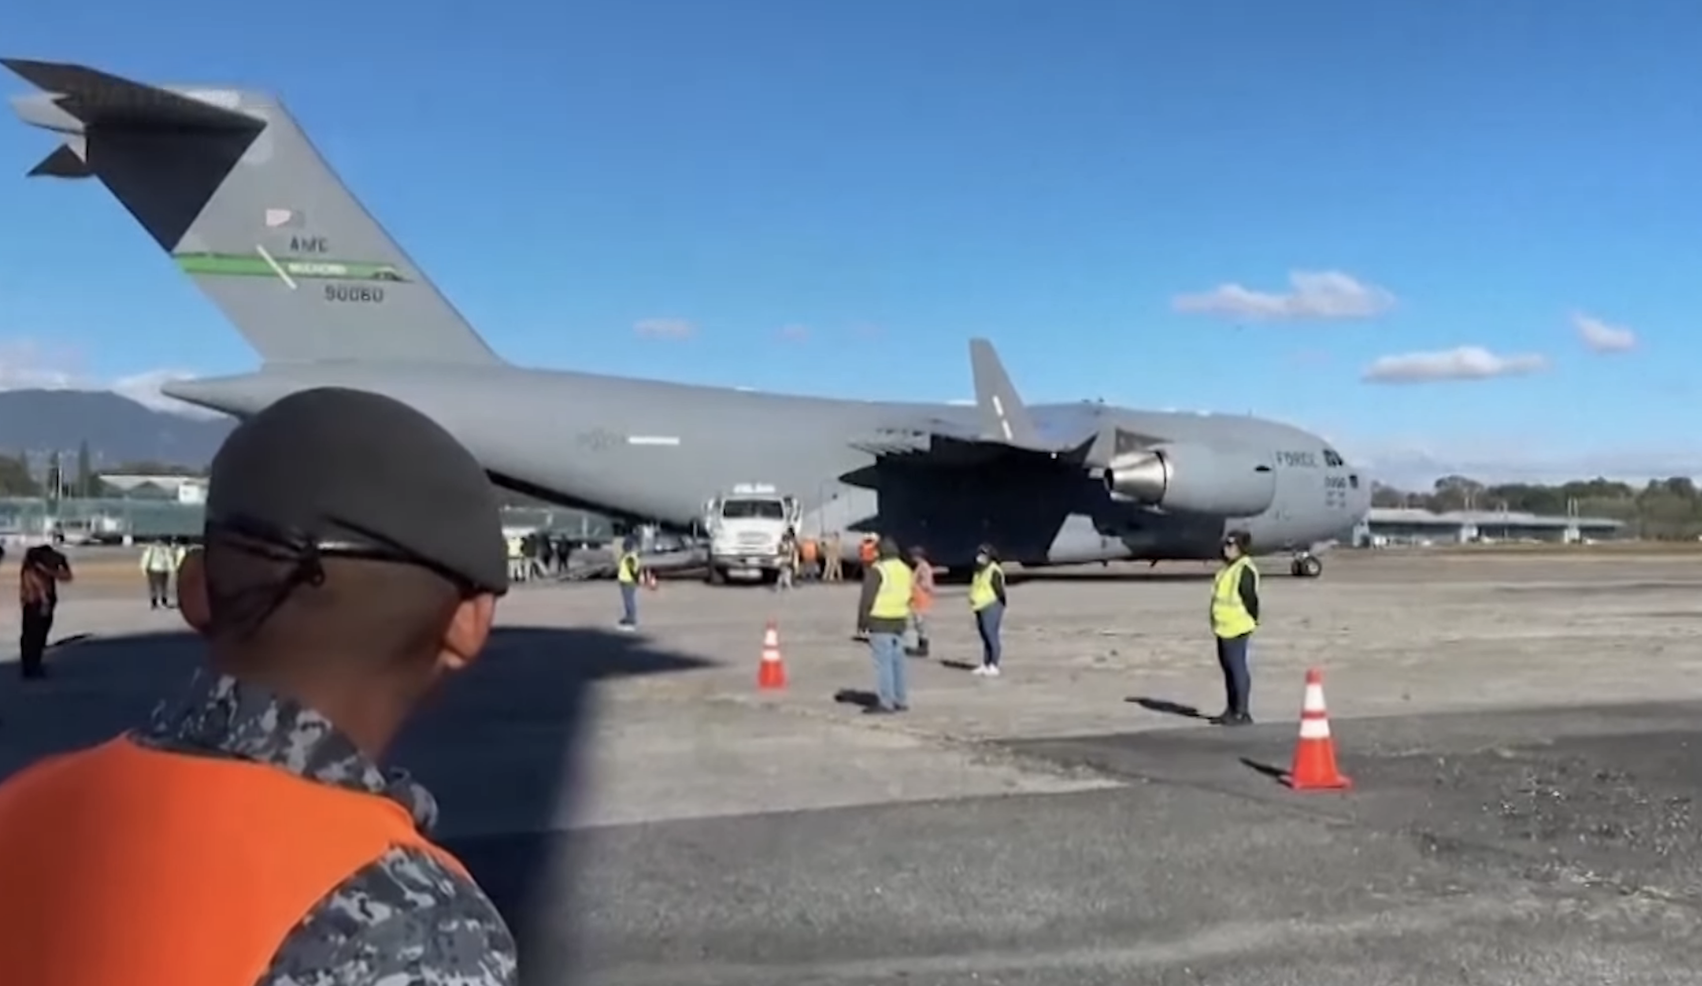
(807, 551)
(921, 599)
(122, 864)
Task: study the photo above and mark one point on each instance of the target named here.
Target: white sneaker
(991, 672)
(980, 670)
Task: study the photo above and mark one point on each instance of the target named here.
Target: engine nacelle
(1193, 479)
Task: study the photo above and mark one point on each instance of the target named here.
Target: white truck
(745, 526)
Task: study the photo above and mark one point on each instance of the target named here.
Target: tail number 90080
(364, 294)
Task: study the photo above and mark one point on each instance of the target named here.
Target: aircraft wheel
(1309, 567)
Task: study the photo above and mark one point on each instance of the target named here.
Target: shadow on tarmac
(1106, 575)
(1166, 707)
(511, 729)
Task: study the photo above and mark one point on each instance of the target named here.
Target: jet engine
(1193, 479)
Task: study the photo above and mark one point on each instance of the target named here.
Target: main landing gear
(1306, 566)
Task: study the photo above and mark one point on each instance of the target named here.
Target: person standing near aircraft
(832, 558)
(629, 571)
(1234, 617)
(179, 551)
(787, 576)
(809, 554)
(921, 599)
(248, 835)
(158, 562)
(39, 575)
(883, 610)
(987, 602)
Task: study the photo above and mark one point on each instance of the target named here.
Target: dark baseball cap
(334, 471)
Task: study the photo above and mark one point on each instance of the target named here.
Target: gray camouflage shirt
(404, 920)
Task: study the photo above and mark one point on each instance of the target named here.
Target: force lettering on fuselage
(309, 244)
(360, 294)
(1298, 460)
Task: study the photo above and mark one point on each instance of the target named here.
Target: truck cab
(745, 526)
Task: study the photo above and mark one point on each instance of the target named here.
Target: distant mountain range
(118, 429)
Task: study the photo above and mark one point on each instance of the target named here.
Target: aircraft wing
(1003, 425)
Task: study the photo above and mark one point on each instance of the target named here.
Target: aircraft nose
(1359, 497)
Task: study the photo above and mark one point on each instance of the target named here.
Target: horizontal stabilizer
(1004, 418)
(76, 99)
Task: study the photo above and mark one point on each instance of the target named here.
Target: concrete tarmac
(1521, 730)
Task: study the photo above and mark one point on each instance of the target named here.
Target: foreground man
(354, 554)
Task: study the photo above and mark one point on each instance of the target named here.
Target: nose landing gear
(1306, 566)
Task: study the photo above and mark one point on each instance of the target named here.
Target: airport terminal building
(1394, 526)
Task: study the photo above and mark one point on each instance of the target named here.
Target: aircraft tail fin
(1004, 417)
(228, 184)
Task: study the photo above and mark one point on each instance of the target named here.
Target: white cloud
(144, 389)
(1601, 336)
(28, 365)
(664, 328)
(1463, 363)
(1312, 295)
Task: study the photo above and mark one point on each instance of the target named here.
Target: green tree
(15, 478)
(1665, 509)
(86, 479)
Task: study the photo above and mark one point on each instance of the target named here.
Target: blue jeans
(629, 604)
(987, 625)
(1237, 679)
(890, 688)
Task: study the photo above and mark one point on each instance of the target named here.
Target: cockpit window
(1331, 459)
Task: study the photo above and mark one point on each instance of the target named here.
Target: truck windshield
(753, 510)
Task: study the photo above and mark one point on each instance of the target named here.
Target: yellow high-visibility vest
(981, 592)
(627, 573)
(892, 601)
(1229, 616)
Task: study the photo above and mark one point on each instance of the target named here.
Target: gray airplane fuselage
(658, 451)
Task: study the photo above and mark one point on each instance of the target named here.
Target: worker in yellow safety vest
(1234, 617)
(987, 602)
(884, 611)
(628, 572)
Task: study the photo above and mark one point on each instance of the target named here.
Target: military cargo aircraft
(227, 183)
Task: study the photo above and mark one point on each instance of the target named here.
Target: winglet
(1004, 417)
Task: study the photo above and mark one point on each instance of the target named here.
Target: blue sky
(1225, 204)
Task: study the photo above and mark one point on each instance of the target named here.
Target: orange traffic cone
(771, 673)
(1314, 767)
